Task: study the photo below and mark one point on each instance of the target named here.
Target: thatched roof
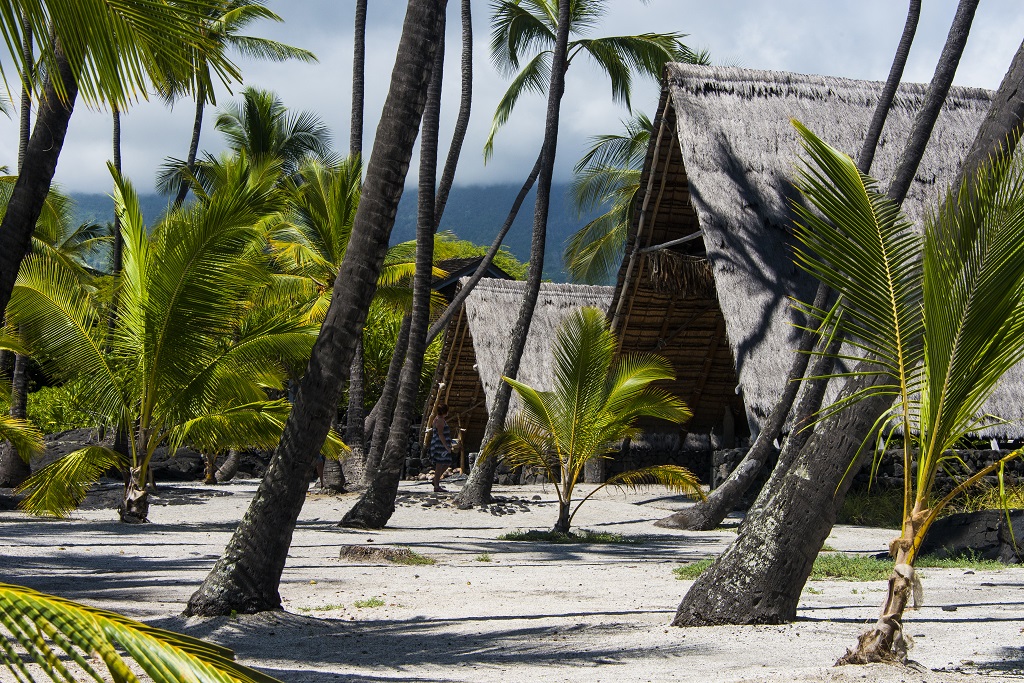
(720, 166)
(477, 341)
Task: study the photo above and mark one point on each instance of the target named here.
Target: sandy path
(534, 612)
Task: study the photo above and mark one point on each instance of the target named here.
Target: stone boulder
(985, 534)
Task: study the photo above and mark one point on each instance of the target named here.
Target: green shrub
(55, 409)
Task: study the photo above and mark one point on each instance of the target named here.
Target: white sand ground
(535, 612)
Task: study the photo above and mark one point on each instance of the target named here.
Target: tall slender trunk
(33, 184)
(13, 468)
(354, 433)
(247, 577)
(355, 142)
(477, 490)
(438, 326)
(385, 407)
(709, 513)
(462, 120)
(760, 576)
(377, 504)
(117, 258)
(193, 146)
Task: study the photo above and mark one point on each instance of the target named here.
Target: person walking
(441, 446)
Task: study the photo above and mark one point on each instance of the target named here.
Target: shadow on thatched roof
(718, 170)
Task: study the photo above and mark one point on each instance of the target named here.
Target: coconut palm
(261, 128)
(520, 26)
(68, 640)
(594, 405)
(939, 317)
(109, 52)
(246, 579)
(187, 359)
(223, 23)
(608, 175)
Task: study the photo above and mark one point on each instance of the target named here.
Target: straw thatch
(719, 164)
(477, 342)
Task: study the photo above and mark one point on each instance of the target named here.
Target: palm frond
(61, 486)
(23, 435)
(515, 30)
(533, 78)
(51, 629)
(675, 478)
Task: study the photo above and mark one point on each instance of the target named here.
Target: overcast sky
(852, 38)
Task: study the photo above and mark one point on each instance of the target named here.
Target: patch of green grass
(323, 608)
(840, 567)
(483, 557)
(814, 591)
(412, 558)
(692, 570)
(585, 536)
(371, 602)
(827, 548)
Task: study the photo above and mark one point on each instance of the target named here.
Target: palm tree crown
(523, 26)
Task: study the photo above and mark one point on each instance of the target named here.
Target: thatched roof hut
(708, 275)
(476, 344)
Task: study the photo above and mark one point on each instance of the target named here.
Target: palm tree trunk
(453, 308)
(209, 468)
(117, 258)
(760, 576)
(354, 436)
(385, 407)
(461, 121)
(562, 523)
(709, 513)
(377, 504)
(247, 577)
(38, 167)
(193, 147)
(13, 469)
(477, 490)
(229, 468)
(355, 143)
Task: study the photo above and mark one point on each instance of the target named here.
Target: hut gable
(718, 172)
(477, 341)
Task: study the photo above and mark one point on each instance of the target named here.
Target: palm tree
(608, 175)
(760, 576)
(518, 29)
(188, 357)
(377, 504)
(223, 23)
(523, 25)
(53, 630)
(594, 405)
(110, 53)
(246, 579)
(939, 318)
(262, 128)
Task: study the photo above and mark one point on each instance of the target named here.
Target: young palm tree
(595, 404)
(187, 359)
(608, 175)
(939, 316)
(524, 25)
(67, 640)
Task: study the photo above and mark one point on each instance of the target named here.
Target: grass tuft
(585, 536)
(841, 567)
(370, 602)
(483, 557)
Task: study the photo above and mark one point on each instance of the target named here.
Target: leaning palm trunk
(709, 514)
(761, 575)
(248, 575)
(385, 407)
(477, 490)
(229, 468)
(375, 507)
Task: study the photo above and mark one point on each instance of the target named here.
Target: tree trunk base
(228, 469)
(134, 509)
(878, 647)
(13, 470)
(226, 600)
(691, 519)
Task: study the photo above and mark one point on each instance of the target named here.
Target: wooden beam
(671, 243)
(709, 361)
